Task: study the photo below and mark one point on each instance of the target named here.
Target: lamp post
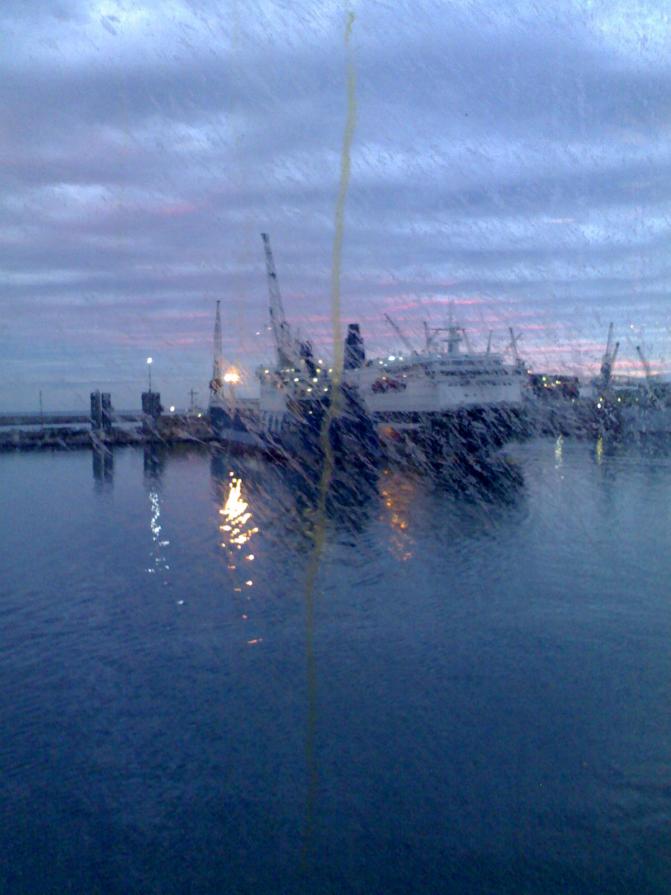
(150, 361)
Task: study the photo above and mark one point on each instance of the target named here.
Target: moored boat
(439, 401)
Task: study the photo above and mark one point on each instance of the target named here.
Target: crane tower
(217, 364)
(287, 356)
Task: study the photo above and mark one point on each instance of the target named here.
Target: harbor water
(214, 681)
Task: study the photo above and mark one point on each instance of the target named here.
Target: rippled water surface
(486, 708)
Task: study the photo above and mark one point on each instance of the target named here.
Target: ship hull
(422, 438)
(297, 433)
(433, 437)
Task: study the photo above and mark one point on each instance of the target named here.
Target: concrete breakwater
(172, 429)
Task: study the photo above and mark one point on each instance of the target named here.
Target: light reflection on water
(492, 676)
(237, 529)
(154, 459)
(158, 557)
(398, 490)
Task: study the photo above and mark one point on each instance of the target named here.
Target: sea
(219, 677)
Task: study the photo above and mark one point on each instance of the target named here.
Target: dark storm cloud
(513, 159)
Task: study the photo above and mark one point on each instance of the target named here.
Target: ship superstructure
(441, 395)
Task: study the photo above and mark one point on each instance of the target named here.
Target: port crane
(399, 332)
(217, 380)
(646, 370)
(514, 339)
(608, 360)
(285, 344)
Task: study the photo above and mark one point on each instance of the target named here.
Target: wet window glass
(335, 446)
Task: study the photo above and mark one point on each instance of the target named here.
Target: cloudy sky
(512, 157)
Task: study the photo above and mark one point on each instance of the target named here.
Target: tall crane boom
(399, 332)
(613, 356)
(217, 365)
(609, 340)
(520, 365)
(608, 360)
(646, 367)
(284, 343)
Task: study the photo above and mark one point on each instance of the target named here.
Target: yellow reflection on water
(398, 495)
(237, 528)
(236, 514)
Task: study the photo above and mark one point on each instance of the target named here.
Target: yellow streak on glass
(599, 449)
(327, 470)
(559, 451)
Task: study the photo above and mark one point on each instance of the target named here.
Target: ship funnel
(355, 354)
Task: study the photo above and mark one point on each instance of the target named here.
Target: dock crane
(399, 332)
(217, 380)
(429, 337)
(514, 339)
(647, 370)
(285, 343)
(608, 360)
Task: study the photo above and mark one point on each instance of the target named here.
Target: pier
(102, 427)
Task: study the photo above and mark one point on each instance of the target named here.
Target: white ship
(439, 402)
(441, 397)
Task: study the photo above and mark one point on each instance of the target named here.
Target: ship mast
(453, 333)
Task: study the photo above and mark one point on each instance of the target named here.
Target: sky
(511, 158)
